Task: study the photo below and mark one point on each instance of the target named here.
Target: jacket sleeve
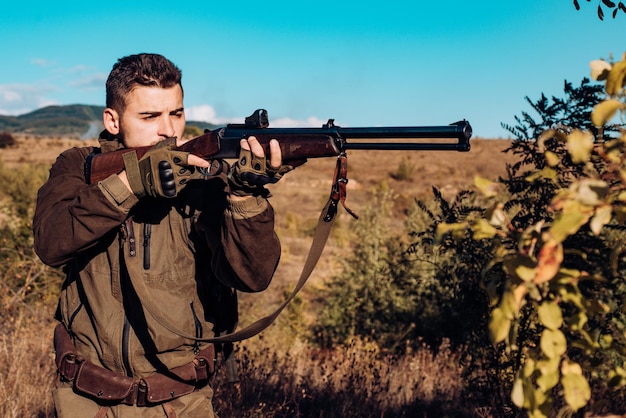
(71, 216)
(244, 246)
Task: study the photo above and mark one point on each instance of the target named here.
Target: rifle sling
(322, 232)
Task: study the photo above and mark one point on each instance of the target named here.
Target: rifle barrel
(461, 131)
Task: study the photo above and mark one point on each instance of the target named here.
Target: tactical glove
(161, 172)
(251, 173)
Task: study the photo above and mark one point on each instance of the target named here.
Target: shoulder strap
(322, 232)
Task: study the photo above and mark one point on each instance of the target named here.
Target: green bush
(558, 239)
(529, 275)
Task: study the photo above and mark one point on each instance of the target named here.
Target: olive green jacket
(145, 276)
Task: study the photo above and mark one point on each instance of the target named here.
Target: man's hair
(152, 70)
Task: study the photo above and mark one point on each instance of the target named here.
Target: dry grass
(351, 381)
(282, 376)
(26, 363)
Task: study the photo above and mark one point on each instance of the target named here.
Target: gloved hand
(161, 172)
(249, 175)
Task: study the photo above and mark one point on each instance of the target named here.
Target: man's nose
(166, 128)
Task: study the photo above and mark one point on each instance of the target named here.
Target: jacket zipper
(198, 325)
(70, 320)
(147, 232)
(125, 347)
(127, 234)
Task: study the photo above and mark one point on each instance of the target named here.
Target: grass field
(280, 374)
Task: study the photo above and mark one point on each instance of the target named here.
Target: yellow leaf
(496, 215)
(552, 159)
(576, 390)
(519, 294)
(550, 315)
(499, 326)
(547, 173)
(553, 343)
(579, 146)
(602, 217)
(590, 192)
(444, 228)
(604, 111)
(571, 367)
(487, 187)
(548, 365)
(517, 394)
(482, 229)
(520, 267)
(615, 80)
(620, 215)
(617, 378)
(549, 261)
(599, 69)
(547, 381)
(577, 322)
(569, 221)
(508, 304)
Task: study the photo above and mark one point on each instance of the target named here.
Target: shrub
(24, 278)
(6, 140)
(558, 239)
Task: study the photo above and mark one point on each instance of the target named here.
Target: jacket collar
(109, 142)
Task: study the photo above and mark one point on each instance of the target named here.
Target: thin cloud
(17, 99)
(206, 113)
(42, 62)
(91, 82)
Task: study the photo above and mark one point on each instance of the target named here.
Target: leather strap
(322, 232)
(103, 384)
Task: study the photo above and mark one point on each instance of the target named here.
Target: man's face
(151, 115)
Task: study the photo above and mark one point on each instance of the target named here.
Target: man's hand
(162, 171)
(253, 171)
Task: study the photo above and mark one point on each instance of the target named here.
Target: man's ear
(111, 121)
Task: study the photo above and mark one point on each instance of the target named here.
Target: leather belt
(105, 385)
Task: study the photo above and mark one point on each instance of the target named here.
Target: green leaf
(579, 146)
(604, 111)
(550, 315)
(553, 343)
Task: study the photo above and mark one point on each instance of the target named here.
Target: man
(152, 254)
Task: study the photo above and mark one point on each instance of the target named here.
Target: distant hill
(78, 121)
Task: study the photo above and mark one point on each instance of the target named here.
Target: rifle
(297, 144)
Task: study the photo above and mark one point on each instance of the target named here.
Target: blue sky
(362, 63)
